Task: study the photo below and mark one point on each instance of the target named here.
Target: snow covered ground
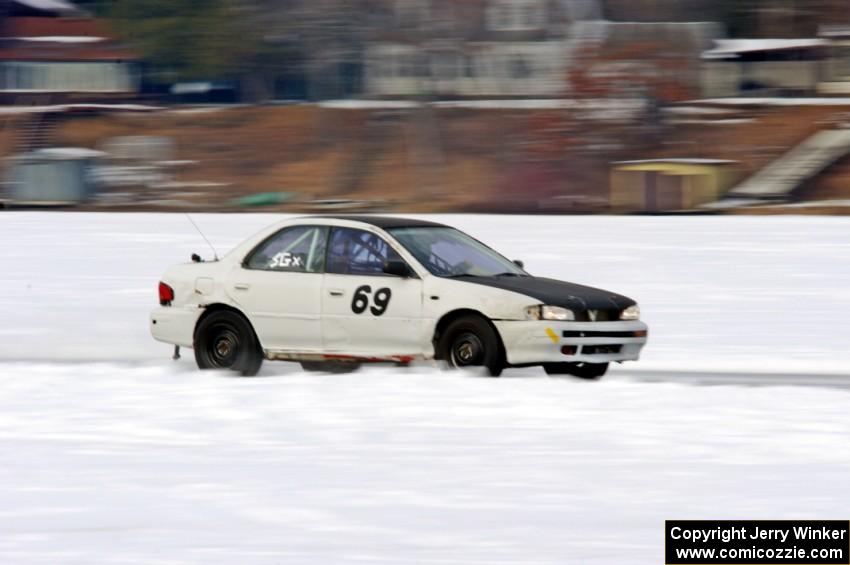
(109, 463)
(111, 453)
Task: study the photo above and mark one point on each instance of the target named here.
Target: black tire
(586, 371)
(471, 342)
(336, 367)
(226, 340)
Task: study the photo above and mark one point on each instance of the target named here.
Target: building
(835, 76)
(475, 48)
(50, 51)
(745, 18)
(530, 48)
(52, 177)
(764, 67)
(669, 185)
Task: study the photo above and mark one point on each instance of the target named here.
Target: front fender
(442, 296)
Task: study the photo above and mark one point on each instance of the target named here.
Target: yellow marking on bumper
(552, 335)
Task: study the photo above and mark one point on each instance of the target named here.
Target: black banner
(757, 542)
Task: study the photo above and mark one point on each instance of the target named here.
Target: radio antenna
(215, 254)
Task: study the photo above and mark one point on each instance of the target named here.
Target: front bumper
(533, 341)
(175, 325)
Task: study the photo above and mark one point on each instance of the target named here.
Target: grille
(586, 333)
(598, 316)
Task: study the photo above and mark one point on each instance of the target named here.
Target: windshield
(447, 252)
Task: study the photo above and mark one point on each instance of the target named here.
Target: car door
(278, 286)
(365, 311)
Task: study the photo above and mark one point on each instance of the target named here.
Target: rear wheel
(471, 342)
(587, 371)
(225, 340)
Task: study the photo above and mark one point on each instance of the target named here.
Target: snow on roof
(61, 154)
(834, 31)
(368, 104)
(59, 108)
(56, 30)
(62, 39)
(678, 161)
(825, 101)
(610, 106)
(725, 48)
(49, 5)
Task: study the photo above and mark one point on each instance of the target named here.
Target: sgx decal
(286, 261)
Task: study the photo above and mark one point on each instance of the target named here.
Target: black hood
(552, 292)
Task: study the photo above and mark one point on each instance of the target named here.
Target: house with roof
(524, 48)
(814, 62)
(835, 79)
(51, 52)
(474, 48)
(764, 67)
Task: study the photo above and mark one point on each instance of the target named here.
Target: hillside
(426, 160)
(436, 159)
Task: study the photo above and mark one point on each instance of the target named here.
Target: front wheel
(225, 340)
(471, 342)
(586, 371)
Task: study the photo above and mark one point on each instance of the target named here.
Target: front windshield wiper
(458, 276)
(510, 275)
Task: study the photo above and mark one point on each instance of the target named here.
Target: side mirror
(519, 263)
(397, 268)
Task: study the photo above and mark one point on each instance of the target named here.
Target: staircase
(780, 178)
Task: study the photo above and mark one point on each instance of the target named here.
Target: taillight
(166, 294)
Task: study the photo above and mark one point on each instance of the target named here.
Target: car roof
(383, 222)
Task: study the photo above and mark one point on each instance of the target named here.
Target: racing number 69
(360, 301)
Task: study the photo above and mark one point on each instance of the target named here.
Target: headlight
(555, 313)
(631, 313)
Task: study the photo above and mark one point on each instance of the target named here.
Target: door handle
(336, 292)
(241, 286)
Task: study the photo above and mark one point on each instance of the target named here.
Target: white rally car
(334, 292)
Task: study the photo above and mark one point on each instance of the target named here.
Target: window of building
(446, 66)
(412, 13)
(68, 77)
(533, 14)
(516, 15)
(469, 70)
(518, 67)
(842, 63)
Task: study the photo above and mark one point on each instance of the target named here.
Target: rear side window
(358, 252)
(299, 249)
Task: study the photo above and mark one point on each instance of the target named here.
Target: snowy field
(111, 453)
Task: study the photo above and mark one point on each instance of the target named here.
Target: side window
(358, 252)
(299, 249)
